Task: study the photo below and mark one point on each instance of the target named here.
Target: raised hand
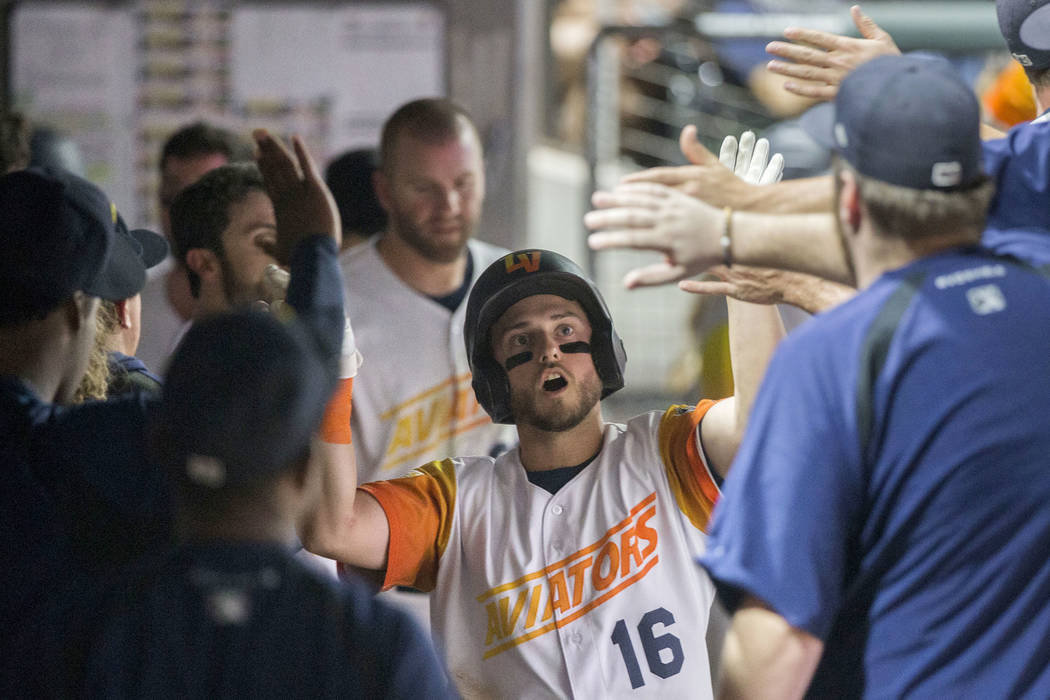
(647, 216)
(302, 204)
(749, 160)
(709, 177)
(822, 59)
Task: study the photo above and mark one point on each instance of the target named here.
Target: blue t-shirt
(892, 493)
(240, 619)
(1019, 217)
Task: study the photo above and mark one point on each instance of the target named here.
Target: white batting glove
(749, 160)
(275, 288)
(350, 359)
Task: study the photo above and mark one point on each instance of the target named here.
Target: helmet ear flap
(610, 358)
(492, 389)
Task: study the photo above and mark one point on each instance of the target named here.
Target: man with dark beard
(565, 567)
(223, 230)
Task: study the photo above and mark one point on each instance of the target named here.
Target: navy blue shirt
(128, 373)
(1019, 217)
(82, 495)
(225, 620)
(892, 493)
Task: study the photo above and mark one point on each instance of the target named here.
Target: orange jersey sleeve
(419, 508)
(694, 486)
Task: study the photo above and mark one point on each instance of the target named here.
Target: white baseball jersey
(413, 403)
(162, 329)
(590, 592)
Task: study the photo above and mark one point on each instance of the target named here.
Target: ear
(849, 204)
(203, 262)
(123, 313)
(381, 185)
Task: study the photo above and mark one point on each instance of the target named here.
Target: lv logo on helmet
(530, 262)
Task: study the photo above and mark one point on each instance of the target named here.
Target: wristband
(727, 237)
(335, 426)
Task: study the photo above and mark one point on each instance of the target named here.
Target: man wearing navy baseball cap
(884, 530)
(81, 495)
(230, 610)
(64, 250)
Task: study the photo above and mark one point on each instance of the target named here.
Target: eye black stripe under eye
(579, 346)
(519, 359)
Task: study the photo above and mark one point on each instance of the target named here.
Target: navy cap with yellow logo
(60, 235)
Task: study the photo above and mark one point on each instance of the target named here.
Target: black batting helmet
(507, 281)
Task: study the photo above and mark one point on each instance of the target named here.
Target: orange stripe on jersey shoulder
(419, 508)
(694, 489)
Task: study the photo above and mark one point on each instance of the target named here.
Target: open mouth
(555, 383)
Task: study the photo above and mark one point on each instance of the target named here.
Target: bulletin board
(118, 78)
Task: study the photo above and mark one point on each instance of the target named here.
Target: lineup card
(119, 79)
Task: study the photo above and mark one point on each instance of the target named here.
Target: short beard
(416, 239)
(566, 418)
(237, 294)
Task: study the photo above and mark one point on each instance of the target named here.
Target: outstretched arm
(341, 522)
(820, 60)
(688, 232)
(337, 524)
(754, 330)
(767, 285)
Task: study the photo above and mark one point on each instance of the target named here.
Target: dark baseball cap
(241, 400)
(61, 235)
(1025, 25)
(904, 120)
(151, 247)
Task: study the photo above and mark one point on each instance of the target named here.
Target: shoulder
(123, 415)
(1024, 140)
(440, 481)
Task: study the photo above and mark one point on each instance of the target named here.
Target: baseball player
(415, 403)
(563, 567)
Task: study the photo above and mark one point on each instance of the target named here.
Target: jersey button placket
(557, 545)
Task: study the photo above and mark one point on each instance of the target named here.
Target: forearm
(806, 196)
(754, 332)
(338, 523)
(315, 291)
(806, 243)
(813, 294)
(765, 657)
(334, 471)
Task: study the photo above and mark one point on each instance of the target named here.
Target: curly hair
(96, 379)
